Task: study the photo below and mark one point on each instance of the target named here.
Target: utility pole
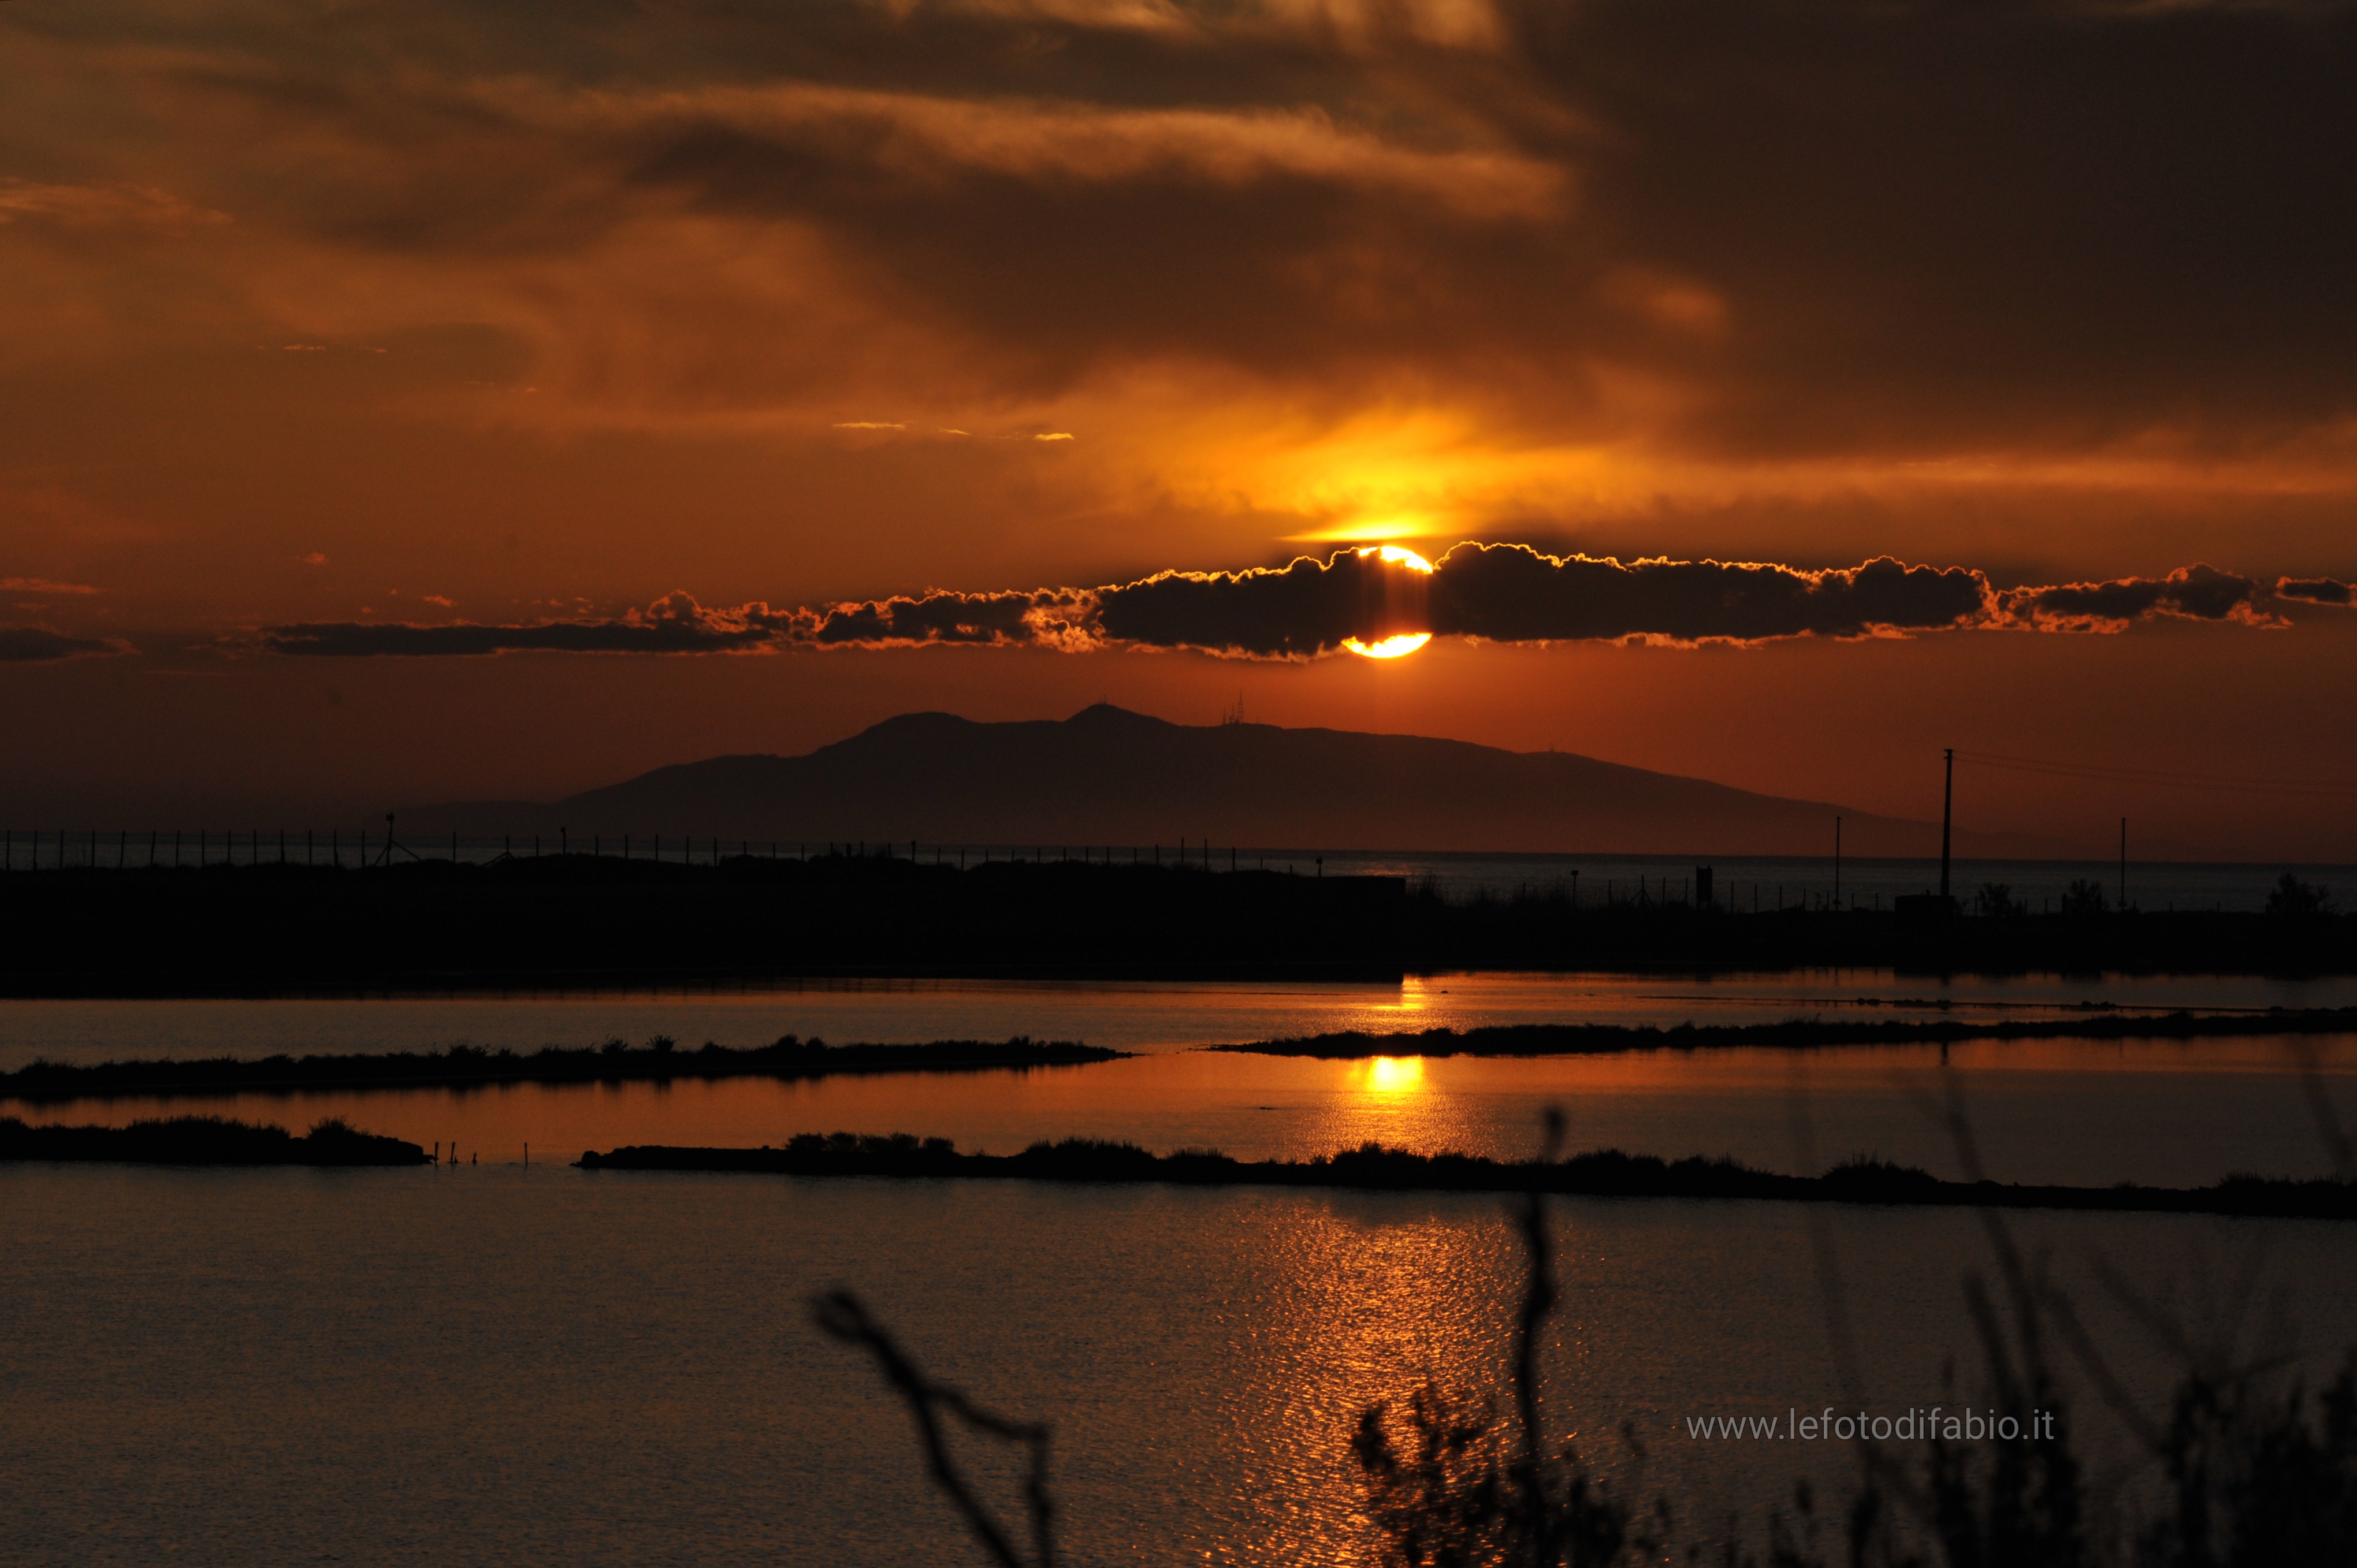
(2124, 865)
(1947, 816)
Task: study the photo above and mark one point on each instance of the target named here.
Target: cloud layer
(1312, 607)
(41, 645)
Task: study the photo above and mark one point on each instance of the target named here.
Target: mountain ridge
(1109, 776)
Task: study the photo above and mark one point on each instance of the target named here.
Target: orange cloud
(42, 585)
(102, 207)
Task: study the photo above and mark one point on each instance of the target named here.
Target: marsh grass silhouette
(205, 1141)
(465, 1065)
(2098, 1022)
(1604, 1172)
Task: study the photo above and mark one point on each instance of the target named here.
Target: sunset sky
(437, 401)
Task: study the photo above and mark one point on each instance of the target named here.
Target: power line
(2158, 778)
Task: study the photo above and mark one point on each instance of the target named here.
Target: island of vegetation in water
(205, 1141)
(1796, 1034)
(1608, 1173)
(462, 1067)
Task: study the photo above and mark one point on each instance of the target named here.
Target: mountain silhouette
(1107, 776)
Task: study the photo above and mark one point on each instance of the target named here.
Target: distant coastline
(1608, 1173)
(465, 1067)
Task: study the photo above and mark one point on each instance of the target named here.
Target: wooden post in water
(1947, 817)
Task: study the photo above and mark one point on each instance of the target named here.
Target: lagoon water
(2161, 1112)
(1125, 1016)
(2167, 1113)
(491, 1363)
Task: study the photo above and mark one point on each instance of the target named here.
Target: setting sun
(1398, 555)
(1398, 647)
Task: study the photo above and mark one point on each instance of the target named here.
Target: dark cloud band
(1311, 607)
(1510, 594)
(2195, 592)
(40, 645)
(2316, 590)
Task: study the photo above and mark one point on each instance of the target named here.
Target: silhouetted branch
(1538, 1299)
(842, 1316)
(2327, 1121)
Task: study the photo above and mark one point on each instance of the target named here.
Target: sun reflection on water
(1389, 1080)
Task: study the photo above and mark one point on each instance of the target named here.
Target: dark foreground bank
(558, 921)
(205, 1141)
(1797, 1033)
(578, 919)
(1605, 1174)
(462, 1067)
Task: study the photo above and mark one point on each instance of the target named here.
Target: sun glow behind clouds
(1398, 647)
(1399, 644)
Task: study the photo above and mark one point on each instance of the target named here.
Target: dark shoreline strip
(1608, 1173)
(204, 1141)
(1796, 1034)
(467, 1067)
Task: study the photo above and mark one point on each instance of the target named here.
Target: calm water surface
(1130, 1018)
(487, 1365)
